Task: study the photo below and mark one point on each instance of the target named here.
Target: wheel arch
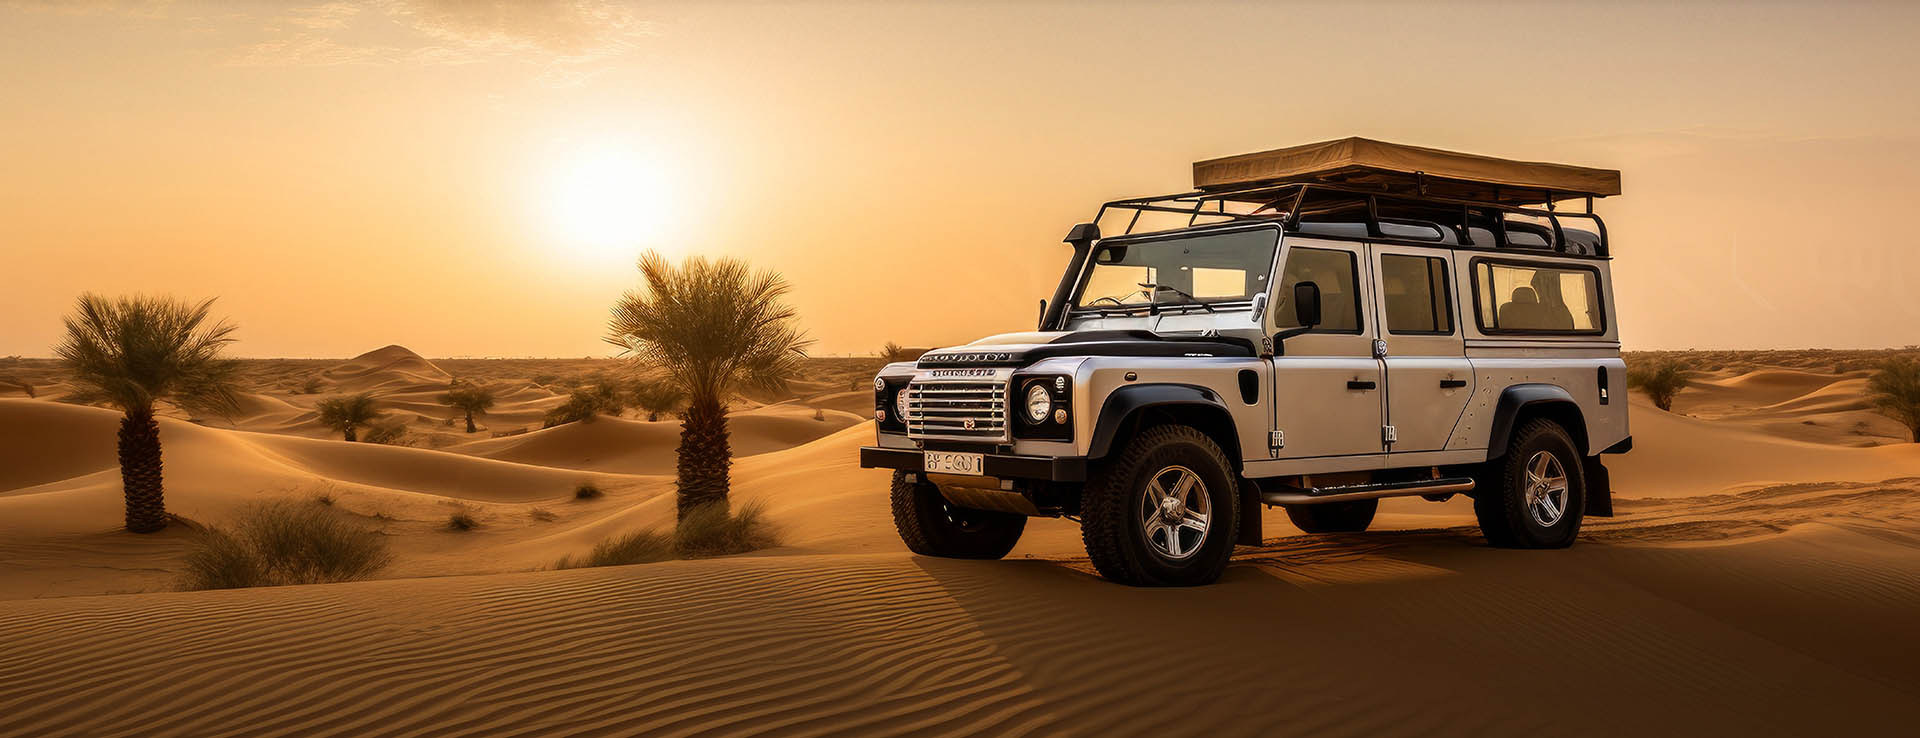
(1134, 407)
(1523, 402)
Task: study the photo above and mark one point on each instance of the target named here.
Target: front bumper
(1003, 466)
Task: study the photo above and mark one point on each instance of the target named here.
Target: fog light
(880, 415)
(1060, 416)
(879, 385)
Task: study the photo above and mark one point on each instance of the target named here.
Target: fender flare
(1128, 401)
(1529, 396)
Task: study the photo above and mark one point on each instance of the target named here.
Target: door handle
(1358, 385)
(1452, 383)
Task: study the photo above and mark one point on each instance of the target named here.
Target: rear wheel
(932, 526)
(1536, 495)
(1163, 512)
(1333, 517)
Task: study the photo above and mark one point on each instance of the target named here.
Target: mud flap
(1250, 511)
(1599, 489)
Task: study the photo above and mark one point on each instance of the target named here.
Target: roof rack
(1357, 181)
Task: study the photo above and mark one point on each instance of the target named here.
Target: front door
(1428, 379)
(1327, 385)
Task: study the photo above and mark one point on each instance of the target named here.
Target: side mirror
(1259, 307)
(1306, 304)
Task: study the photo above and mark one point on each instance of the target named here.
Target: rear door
(1428, 379)
(1326, 383)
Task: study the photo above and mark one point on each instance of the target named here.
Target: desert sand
(1761, 578)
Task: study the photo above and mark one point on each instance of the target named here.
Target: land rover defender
(1313, 328)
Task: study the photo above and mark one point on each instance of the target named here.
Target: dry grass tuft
(713, 530)
(462, 520)
(635, 548)
(707, 531)
(284, 543)
(587, 491)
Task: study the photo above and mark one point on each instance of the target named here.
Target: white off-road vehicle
(1313, 328)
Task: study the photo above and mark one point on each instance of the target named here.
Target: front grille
(957, 409)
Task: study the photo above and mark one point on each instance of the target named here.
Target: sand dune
(386, 368)
(1616, 636)
(1674, 455)
(637, 447)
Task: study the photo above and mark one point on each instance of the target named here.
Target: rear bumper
(1003, 466)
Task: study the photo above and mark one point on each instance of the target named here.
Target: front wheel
(1537, 492)
(1163, 512)
(932, 526)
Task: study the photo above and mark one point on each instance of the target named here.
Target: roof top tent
(1365, 188)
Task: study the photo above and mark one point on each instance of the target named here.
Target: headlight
(1039, 403)
(900, 404)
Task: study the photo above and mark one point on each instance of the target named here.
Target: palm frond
(134, 351)
(712, 327)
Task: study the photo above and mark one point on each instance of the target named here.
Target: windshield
(1198, 270)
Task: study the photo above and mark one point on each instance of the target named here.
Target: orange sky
(345, 176)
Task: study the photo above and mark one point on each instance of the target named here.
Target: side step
(1344, 493)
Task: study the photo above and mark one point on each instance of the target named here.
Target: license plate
(954, 462)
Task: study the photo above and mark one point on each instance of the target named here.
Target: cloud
(567, 41)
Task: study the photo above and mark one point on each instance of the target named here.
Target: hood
(1021, 349)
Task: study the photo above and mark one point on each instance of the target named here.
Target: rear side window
(1335, 274)
(1415, 295)
(1535, 298)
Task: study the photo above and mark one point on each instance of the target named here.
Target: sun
(606, 200)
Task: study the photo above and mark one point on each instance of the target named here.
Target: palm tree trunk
(704, 457)
(349, 435)
(140, 471)
(470, 427)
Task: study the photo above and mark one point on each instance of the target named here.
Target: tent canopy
(1396, 168)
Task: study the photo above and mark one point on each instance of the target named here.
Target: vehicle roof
(1363, 162)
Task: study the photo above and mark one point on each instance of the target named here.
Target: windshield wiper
(1154, 288)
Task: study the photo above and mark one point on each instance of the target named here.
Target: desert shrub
(391, 432)
(587, 403)
(893, 352)
(462, 520)
(284, 543)
(586, 491)
(655, 398)
(543, 515)
(819, 414)
(311, 387)
(634, 548)
(348, 414)
(713, 530)
(1661, 379)
(324, 499)
(1894, 390)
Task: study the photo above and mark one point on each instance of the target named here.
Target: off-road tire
(1501, 502)
(1110, 521)
(1352, 516)
(931, 526)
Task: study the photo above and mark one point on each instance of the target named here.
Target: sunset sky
(471, 179)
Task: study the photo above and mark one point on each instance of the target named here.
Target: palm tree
(133, 352)
(1895, 392)
(654, 398)
(468, 398)
(347, 414)
(713, 327)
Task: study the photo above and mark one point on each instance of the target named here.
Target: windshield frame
(1157, 306)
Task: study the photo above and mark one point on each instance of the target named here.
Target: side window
(1537, 299)
(1334, 271)
(1415, 294)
